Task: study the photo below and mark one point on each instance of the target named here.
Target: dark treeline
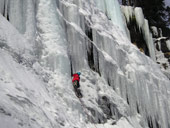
(155, 11)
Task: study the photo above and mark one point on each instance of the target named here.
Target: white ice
(121, 87)
(143, 25)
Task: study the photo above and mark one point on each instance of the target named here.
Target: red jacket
(76, 77)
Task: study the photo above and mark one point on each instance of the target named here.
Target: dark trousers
(76, 84)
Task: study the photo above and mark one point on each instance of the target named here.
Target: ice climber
(76, 79)
(76, 85)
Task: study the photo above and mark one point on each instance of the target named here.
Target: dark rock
(164, 47)
(110, 109)
(137, 37)
(4, 112)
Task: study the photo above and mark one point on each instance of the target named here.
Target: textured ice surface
(137, 14)
(54, 46)
(112, 9)
(128, 12)
(121, 87)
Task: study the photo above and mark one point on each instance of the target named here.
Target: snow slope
(121, 87)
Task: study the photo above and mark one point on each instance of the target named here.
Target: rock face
(52, 39)
(163, 45)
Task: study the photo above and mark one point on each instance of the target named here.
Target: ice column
(30, 20)
(54, 53)
(112, 10)
(143, 24)
(21, 14)
(149, 40)
(17, 14)
(2, 6)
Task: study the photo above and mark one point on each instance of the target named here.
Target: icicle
(6, 9)
(30, 31)
(143, 26)
(17, 14)
(2, 5)
(168, 44)
(149, 39)
(112, 9)
(139, 17)
(128, 12)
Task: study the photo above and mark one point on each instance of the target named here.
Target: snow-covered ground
(51, 39)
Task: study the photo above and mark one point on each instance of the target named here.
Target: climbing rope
(85, 111)
(82, 104)
(92, 43)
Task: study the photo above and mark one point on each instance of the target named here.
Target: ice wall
(120, 85)
(21, 13)
(32, 96)
(132, 13)
(2, 6)
(37, 79)
(107, 51)
(112, 9)
(17, 14)
(52, 38)
(71, 18)
(27, 17)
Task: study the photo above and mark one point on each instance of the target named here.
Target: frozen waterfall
(131, 14)
(51, 39)
(112, 9)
